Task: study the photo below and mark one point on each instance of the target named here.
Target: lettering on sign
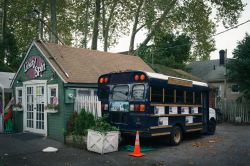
(34, 67)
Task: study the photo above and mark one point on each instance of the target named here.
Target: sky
(227, 40)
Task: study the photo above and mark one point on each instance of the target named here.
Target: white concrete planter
(102, 142)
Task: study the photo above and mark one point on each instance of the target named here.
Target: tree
(191, 17)
(239, 67)
(168, 50)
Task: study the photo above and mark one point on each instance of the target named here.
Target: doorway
(35, 119)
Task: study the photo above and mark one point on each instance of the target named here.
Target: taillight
(142, 77)
(137, 77)
(101, 80)
(142, 107)
(137, 107)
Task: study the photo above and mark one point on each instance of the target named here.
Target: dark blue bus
(155, 104)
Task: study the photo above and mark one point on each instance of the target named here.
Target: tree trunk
(86, 25)
(158, 23)
(134, 30)
(107, 26)
(96, 25)
(53, 37)
(42, 18)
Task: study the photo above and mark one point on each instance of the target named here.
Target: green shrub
(83, 122)
(103, 126)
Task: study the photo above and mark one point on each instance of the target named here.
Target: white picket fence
(89, 103)
(235, 112)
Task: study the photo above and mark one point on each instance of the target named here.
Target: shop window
(19, 95)
(156, 94)
(235, 88)
(169, 95)
(197, 97)
(189, 97)
(53, 94)
(179, 96)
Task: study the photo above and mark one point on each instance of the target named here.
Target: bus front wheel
(176, 135)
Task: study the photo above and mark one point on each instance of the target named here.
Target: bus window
(104, 92)
(138, 92)
(169, 95)
(197, 98)
(120, 92)
(189, 97)
(179, 96)
(156, 94)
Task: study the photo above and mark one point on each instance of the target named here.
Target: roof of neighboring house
(5, 79)
(78, 65)
(209, 70)
(175, 73)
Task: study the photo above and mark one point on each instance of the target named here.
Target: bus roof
(165, 77)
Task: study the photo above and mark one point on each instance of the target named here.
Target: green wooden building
(51, 76)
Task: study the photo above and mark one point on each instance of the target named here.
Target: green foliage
(71, 122)
(83, 122)
(239, 67)
(168, 49)
(79, 124)
(103, 126)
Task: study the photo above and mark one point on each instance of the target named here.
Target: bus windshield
(120, 92)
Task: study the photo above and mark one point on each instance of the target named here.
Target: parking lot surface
(229, 146)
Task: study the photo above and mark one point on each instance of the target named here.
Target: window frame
(17, 95)
(49, 87)
(232, 89)
(144, 91)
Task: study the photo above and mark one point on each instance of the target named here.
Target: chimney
(222, 57)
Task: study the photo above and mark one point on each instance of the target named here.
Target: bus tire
(176, 135)
(211, 126)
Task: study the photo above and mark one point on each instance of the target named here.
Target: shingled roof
(78, 65)
(210, 71)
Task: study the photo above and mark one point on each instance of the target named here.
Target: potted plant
(18, 107)
(102, 137)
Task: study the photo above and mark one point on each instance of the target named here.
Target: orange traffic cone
(137, 149)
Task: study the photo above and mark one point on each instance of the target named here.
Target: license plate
(119, 106)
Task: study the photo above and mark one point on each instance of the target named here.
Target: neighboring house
(56, 74)
(214, 73)
(5, 93)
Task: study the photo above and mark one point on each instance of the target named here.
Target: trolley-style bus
(155, 104)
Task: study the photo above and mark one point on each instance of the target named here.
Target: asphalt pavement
(229, 146)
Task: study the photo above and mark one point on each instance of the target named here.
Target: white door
(34, 116)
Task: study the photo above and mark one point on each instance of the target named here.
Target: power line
(236, 26)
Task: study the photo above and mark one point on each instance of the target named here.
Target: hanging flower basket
(51, 108)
